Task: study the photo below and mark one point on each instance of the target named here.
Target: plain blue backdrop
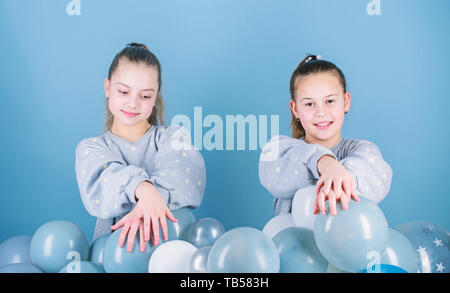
(229, 57)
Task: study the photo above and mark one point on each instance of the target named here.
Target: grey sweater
(287, 164)
(109, 168)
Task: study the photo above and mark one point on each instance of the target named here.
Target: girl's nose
(133, 101)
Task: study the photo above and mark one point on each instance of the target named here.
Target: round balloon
(278, 223)
(348, 239)
(180, 229)
(298, 251)
(55, 243)
(399, 252)
(243, 250)
(171, 257)
(197, 263)
(431, 243)
(96, 249)
(83, 267)
(16, 268)
(118, 260)
(205, 232)
(15, 250)
(303, 207)
(385, 268)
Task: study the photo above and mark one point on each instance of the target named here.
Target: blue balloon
(298, 251)
(118, 260)
(205, 232)
(431, 243)
(243, 250)
(53, 244)
(83, 267)
(180, 229)
(385, 268)
(399, 252)
(197, 263)
(15, 250)
(348, 239)
(96, 249)
(19, 268)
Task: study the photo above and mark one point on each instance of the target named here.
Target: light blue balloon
(118, 260)
(243, 250)
(96, 249)
(198, 261)
(180, 229)
(399, 252)
(349, 239)
(386, 269)
(83, 267)
(16, 268)
(298, 251)
(431, 243)
(205, 232)
(54, 242)
(15, 250)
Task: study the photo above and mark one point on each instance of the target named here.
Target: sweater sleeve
(372, 174)
(179, 174)
(287, 164)
(106, 183)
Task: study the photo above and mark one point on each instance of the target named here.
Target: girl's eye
(308, 104)
(330, 101)
(123, 92)
(147, 97)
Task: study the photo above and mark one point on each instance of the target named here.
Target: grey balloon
(205, 232)
(198, 261)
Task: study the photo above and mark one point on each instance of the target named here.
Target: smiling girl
(134, 168)
(340, 168)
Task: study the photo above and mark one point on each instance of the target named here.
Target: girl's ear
(107, 87)
(294, 108)
(347, 102)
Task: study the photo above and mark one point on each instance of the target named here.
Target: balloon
(334, 270)
(83, 267)
(399, 252)
(55, 243)
(303, 207)
(204, 232)
(15, 250)
(118, 260)
(349, 240)
(385, 268)
(431, 243)
(298, 251)
(15, 268)
(171, 257)
(243, 250)
(278, 223)
(96, 249)
(180, 229)
(197, 263)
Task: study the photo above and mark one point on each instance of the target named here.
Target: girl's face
(321, 105)
(131, 93)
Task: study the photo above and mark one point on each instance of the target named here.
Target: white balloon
(171, 257)
(303, 207)
(278, 224)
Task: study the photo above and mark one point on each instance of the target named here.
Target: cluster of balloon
(356, 240)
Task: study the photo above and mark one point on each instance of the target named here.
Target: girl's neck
(329, 143)
(130, 133)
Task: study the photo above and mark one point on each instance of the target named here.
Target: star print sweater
(109, 168)
(287, 164)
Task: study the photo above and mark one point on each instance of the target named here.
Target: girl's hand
(150, 212)
(335, 184)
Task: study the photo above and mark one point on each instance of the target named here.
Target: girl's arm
(287, 164)
(107, 185)
(372, 174)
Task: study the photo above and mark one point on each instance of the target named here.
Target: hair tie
(136, 45)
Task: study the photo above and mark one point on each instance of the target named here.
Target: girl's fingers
(123, 234)
(332, 203)
(319, 185)
(316, 205)
(146, 227)
(132, 235)
(118, 224)
(170, 216)
(321, 202)
(344, 202)
(327, 187)
(347, 188)
(163, 222)
(337, 186)
(155, 230)
(141, 236)
(355, 196)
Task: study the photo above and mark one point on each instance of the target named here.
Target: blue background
(230, 57)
